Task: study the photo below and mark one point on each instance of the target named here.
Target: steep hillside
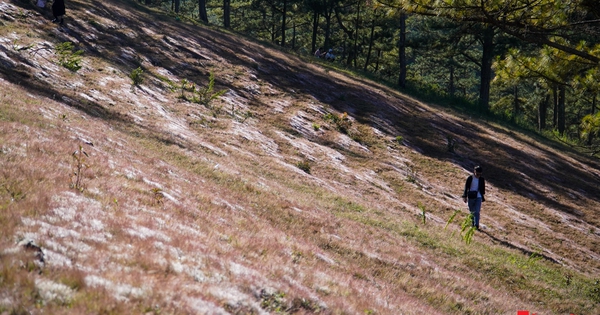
(299, 191)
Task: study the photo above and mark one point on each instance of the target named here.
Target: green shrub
(203, 95)
(207, 94)
(68, 57)
(342, 122)
(136, 76)
(304, 165)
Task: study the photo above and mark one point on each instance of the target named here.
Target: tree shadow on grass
(523, 251)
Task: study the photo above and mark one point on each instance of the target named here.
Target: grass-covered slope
(298, 191)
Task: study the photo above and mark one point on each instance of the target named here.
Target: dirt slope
(268, 199)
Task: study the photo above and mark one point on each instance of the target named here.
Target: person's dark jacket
(481, 188)
(58, 8)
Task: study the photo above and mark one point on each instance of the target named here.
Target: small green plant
(363, 134)
(468, 228)
(79, 165)
(170, 84)
(468, 237)
(216, 110)
(274, 302)
(240, 116)
(568, 279)
(399, 139)
(451, 218)
(304, 165)
(186, 86)
(16, 47)
(68, 57)
(207, 94)
(342, 121)
(316, 126)
(296, 257)
(14, 190)
(136, 77)
(94, 23)
(411, 174)
(423, 212)
(594, 291)
(203, 95)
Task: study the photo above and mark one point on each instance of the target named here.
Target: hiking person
(319, 53)
(330, 56)
(58, 11)
(474, 194)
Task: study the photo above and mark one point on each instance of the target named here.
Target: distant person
(474, 194)
(58, 11)
(330, 56)
(320, 53)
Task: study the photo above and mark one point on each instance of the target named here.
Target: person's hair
(478, 169)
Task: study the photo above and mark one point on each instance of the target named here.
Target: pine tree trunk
(377, 61)
(294, 36)
(370, 44)
(273, 30)
(283, 22)
(542, 112)
(555, 107)
(592, 112)
(202, 11)
(227, 13)
(327, 27)
(356, 32)
(451, 88)
(486, 67)
(516, 108)
(314, 30)
(561, 110)
(402, 51)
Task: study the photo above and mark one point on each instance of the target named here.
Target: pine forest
(531, 63)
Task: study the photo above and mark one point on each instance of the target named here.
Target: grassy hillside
(300, 190)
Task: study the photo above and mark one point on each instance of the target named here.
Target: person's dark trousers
(475, 208)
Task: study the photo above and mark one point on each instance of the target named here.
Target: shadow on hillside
(514, 168)
(506, 167)
(524, 251)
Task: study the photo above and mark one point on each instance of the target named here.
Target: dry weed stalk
(79, 159)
